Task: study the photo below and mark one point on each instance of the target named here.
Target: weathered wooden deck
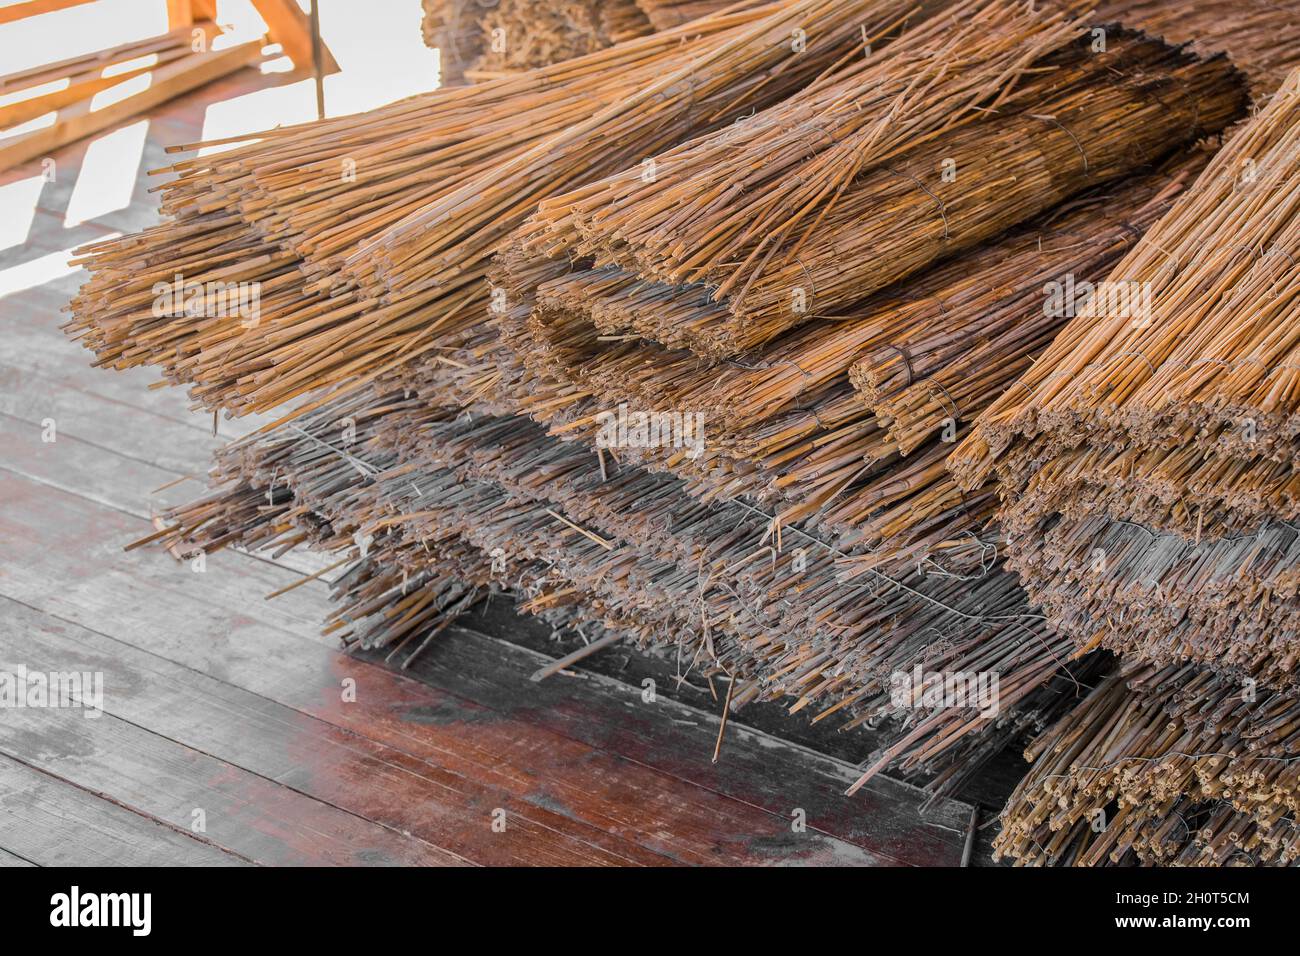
(226, 709)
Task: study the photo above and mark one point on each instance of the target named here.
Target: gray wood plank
(140, 434)
(33, 341)
(10, 861)
(52, 823)
(257, 819)
(283, 776)
(68, 470)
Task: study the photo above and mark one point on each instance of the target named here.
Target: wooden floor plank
(125, 599)
(229, 579)
(259, 820)
(31, 320)
(280, 750)
(10, 861)
(49, 822)
(756, 768)
(43, 378)
(107, 423)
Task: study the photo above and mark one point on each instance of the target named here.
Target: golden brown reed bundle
(997, 312)
(784, 428)
(526, 34)
(812, 234)
(1215, 344)
(1261, 36)
(720, 84)
(1146, 462)
(1172, 766)
(301, 201)
(478, 39)
(452, 28)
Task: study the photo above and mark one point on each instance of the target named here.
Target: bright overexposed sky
(377, 44)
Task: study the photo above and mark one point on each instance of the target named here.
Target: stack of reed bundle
(666, 14)
(1261, 36)
(785, 429)
(452, 28)
(526, 34)
(721, 276)
(418, 494)
(301, 211)
(831, 592)
(1146, 468)
(1160, 766)
(1146, 461)
(476, 38)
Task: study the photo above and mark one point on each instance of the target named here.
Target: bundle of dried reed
(526, 34)
(477, 39)
(784, 428)
(1146, 462)
(1229, 603)
(451, 27)
(721, 276)
(1261, 36)
(304, 201)
(414, 486)
(1161, 766)
(992, 319)
(1204, 335)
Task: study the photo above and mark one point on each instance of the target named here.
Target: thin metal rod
(316, 65)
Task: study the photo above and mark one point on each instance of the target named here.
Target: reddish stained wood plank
(49, 822)
(148, 770)
(759, 769)
(259, 820)
(547, 769)
(301, 756)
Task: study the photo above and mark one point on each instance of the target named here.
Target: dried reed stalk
(784, 428)
(1219, 341)
(1261, 36)
(526, 34)
(537, 33)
